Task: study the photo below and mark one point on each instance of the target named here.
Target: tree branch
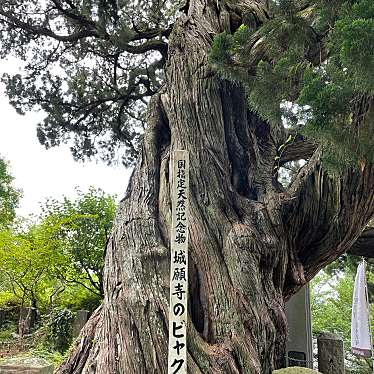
(75, 281)
(364, 245)
(91, 29)
(299, 149)
(44, 31)
(324, 217)
(151, 45)
(82, 20)
(151, 33)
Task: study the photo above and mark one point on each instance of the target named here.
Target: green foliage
(224, 47)
(9, 196)
(59, 260)
(353, 41)
(319, 58)
(55, 357)
(327, 97)
(56, 264)
(90, 66)
(349, 263)
(7, 331)
(332, 308)
(332, 305)
(25, 263)
(268, 107)
(221, 49)
(60, 329)
(7, 298)
(286, 8)
(42, 342)
(83, 226)
(75, 297)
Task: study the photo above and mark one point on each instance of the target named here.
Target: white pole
(370, 317)
(177, 354)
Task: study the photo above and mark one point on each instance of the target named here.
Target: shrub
(60, 329)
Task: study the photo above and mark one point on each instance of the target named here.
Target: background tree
(9, 198)
(83, 226)
(332, 309)
(26, 260)
(93, 65)
(56, 261)
(363, 248)
(9, 195)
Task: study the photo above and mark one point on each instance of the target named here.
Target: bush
(7, 331)
(8, 300)
(60, 329)
(52, 356)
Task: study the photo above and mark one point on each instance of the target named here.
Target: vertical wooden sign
(177, 360)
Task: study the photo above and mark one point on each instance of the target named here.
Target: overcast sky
(42, 173)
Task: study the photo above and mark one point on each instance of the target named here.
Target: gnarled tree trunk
(252, 244)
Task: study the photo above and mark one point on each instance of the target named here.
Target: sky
(42, 173)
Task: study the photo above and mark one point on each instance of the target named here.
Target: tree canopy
(92, 65)
(312, 66)
(83, 227)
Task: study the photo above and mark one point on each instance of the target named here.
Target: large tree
(94, 65)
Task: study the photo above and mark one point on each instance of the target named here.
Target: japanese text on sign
(177, 361)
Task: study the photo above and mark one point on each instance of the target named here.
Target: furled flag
(360, 328)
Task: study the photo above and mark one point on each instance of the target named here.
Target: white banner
(360, 328)
(177, 360)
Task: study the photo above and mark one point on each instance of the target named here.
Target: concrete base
(25, 365)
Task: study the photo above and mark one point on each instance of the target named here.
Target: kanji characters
(179, 291)
(179, 271)
(180, 238)
(179, 274)
(180, 257)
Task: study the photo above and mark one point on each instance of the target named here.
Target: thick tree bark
(364, 246)
(252, 245)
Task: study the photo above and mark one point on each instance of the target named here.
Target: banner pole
(361, 334)
(369, 314)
